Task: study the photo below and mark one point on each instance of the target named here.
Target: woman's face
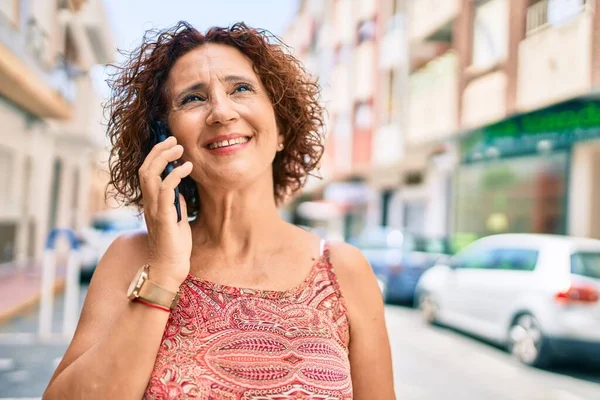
(222, 116)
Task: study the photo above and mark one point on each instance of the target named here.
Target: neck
(237, 222)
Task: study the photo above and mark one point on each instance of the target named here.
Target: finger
(150, 177)
(168, 185)
(159, 163)
(166, 144)
(183, 205)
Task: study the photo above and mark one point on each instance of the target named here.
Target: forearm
(118, 366)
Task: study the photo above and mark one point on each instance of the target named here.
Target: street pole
(71, 304)
(47, 294)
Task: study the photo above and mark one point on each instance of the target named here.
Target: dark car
(399, 259)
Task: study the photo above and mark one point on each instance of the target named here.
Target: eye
(191, 97)
(243, 87)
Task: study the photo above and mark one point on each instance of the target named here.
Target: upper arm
(370, 357)
(105, 299)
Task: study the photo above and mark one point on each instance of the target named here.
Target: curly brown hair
(139, 95)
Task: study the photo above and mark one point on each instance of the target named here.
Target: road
(438, 363)
(430, 363)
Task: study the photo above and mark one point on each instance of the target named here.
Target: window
(515, 259)
(363, 118)
(366, 31)
(9, 9)
(475, 258)
(520, 194)
(586, 264)
(6, 173)
(490, 36)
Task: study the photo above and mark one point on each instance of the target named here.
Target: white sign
(560, 11)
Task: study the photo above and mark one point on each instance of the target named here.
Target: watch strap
(155, 294)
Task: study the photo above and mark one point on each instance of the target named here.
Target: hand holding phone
(169, 241)
(162, 132)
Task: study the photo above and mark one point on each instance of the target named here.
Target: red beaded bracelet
(153, 305)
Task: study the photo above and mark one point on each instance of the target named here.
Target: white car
(535, 294)
(105, 228)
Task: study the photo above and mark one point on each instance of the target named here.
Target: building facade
(483, 114)
(51, 117)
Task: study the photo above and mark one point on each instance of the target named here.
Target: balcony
(365, 10)
(91, 33)
(393, 51)
(388, 145)
(484, 100)
(555, 58)
(341, 93)
(24, 77)
(87, 125)
(430, 16)
(364, 71)
(344, 29)
(432, 100)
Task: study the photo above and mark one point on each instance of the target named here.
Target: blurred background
(461, 158)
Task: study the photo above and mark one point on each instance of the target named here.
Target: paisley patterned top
(227, 343)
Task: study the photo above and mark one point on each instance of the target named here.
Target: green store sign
(541, 131)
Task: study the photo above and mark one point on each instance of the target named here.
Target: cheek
(185, 127)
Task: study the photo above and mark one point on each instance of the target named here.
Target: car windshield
(586, 264)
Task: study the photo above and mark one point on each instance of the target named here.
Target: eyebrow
(199, 86)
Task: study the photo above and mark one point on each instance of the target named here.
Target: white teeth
(226, 143)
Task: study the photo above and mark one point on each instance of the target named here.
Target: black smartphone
(160, 132)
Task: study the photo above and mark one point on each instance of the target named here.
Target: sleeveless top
(228, 343)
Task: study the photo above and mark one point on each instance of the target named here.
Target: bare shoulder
(370, 356)
(355, 276)
(106, 295)
(350, 264)
(126, 254)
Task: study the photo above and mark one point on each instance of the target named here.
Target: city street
(429, 363)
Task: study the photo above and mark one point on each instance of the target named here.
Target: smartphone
(160, 132)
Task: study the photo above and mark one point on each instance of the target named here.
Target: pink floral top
(227, 343)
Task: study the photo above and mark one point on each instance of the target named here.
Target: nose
(222, 110)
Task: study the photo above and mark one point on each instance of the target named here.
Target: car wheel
(429, 308)
(526, 342)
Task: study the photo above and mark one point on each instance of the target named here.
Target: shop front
(526, 174)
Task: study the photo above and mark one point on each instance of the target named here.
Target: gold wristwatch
(142, 288)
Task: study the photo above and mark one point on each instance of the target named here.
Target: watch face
(135, 285)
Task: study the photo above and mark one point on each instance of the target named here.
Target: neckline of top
(323, 259)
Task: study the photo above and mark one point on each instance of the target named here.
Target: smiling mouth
(227, 143)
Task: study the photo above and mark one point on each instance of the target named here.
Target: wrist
(166, 280)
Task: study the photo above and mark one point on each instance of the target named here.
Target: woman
(237, 303)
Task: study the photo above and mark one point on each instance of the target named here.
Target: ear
(280, 141)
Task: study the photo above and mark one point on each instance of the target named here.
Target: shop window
(519, 194)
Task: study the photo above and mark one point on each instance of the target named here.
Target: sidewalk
(20, 288)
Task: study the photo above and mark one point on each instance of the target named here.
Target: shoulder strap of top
(330, 269)
(323, 247)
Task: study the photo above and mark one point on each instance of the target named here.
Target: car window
(383, 239)
(475, 258)
(515, 259)
(586, 264)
